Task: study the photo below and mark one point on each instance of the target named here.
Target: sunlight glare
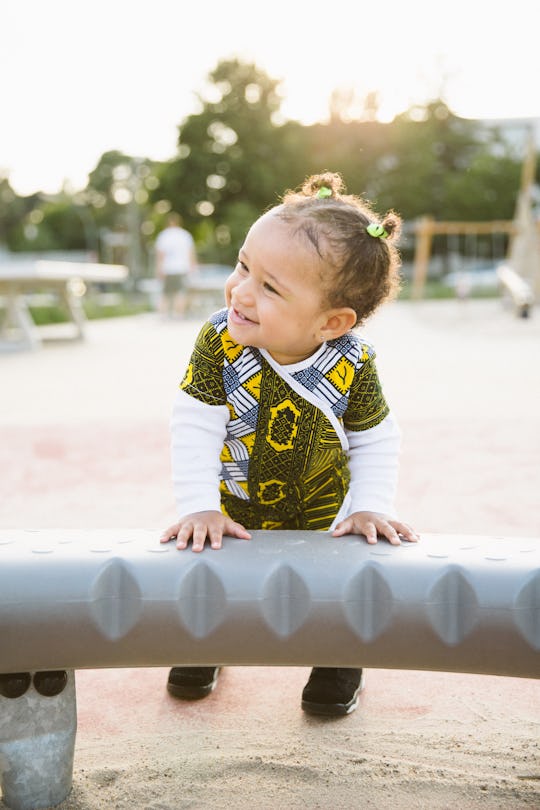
(479, 57)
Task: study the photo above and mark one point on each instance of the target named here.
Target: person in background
(175, 258)
(281, 421)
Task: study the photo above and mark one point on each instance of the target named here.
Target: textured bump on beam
(452, 606)
(368, 602)
(202, 602)
(528, 611)
(285, 601)
(115, 600)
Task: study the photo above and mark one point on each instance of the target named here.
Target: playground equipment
(520, 272)
(96, 599)
(426, 228)
(517, 288)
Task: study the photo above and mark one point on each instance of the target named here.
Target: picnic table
(66, 280)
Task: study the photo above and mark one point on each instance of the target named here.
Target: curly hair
(364, 268)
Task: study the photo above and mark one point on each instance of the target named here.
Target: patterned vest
(284, 460)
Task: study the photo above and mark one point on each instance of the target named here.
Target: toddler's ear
(338, 322)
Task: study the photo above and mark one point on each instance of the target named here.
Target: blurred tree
(54, 224)
(50, 222)
(352, 148)
(448, 167)
(234, 159)
(12, 212)
(489, 186)
(117, 201)
(26, 231)
(426, 144)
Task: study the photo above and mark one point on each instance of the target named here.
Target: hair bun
(329, 180)
(392, 225)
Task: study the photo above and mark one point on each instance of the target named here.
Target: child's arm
(197, 434)
(197, 431)
(373, 463)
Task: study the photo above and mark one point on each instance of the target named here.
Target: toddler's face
(275, 295)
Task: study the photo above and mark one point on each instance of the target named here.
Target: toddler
(280, 421)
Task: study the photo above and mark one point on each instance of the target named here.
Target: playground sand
(85, 444)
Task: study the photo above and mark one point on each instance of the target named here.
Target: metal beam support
(37, 744)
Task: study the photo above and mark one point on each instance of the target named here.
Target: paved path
(84, 431)
(87, 424)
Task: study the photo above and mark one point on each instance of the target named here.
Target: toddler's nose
(242, 292)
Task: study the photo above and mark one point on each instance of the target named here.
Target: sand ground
(84, 430)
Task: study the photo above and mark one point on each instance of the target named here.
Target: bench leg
(37, 738)
(76, 312)
(17, 318)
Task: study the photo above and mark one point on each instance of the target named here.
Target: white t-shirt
(176, 245)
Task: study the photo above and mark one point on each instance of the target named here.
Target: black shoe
(51, 683)
(332, 692)
(192, 683)
(15, 684)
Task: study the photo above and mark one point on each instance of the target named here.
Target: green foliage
(93, 307)
(12, 211)
(422, 157)
(436, 290)
(117, 201)
(62, 226)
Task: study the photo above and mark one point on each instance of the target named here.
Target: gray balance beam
(90, 599)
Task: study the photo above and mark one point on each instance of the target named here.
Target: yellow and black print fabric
(283, 464)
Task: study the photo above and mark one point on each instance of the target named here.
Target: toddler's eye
(270, 288)
(242, 267)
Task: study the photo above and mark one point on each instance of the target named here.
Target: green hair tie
(377, 231)
(323, 192)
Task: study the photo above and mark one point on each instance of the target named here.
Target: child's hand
(373, 524)
(200, 526)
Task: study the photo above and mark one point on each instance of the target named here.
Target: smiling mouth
(238, 318)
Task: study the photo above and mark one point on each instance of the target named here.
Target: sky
(80, 78)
